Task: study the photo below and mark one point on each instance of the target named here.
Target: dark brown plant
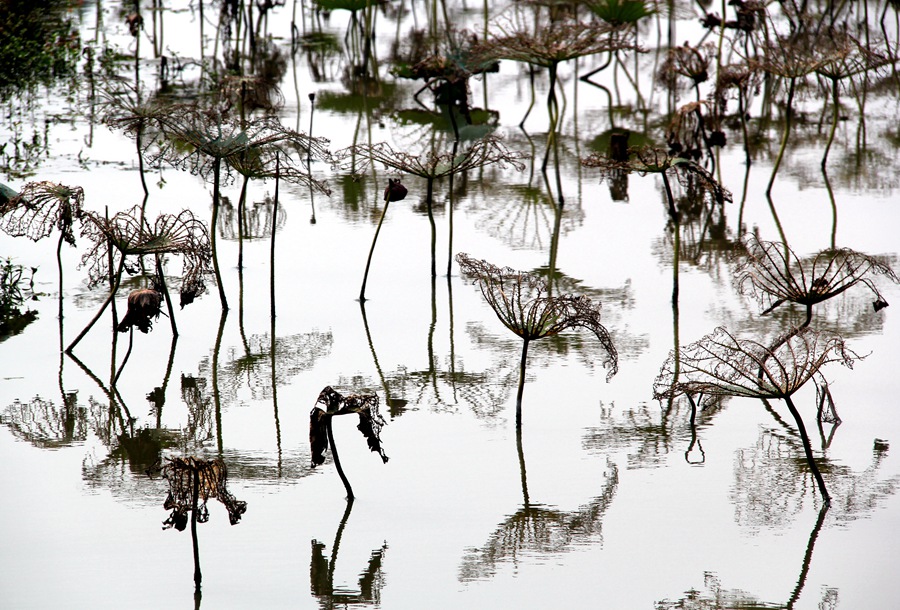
(42, 207)
(431, 166)
(125, 235)
(143, 308)
(721, 364)
(649, 160)
(524, 305)
(331, 403)
(547, 38)
(773, 274)
(192, 482)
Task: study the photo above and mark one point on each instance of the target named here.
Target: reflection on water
(321, 574)
(650, 432)
(535, 530)
(718, 597)
(663, 258)
(43, 424)
(772, 485)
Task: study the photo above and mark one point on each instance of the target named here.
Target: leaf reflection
(536, 530)
(321, 574)
(43, 424)
(772, 485)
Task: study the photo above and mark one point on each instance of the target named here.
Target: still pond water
(609, 499)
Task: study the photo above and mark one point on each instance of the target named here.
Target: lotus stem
(195, 496)
(337, 460)
(60, 268)
(553, 111)
(808, 450)
(521, 385)
(109, 298)
(165, 291)
(362, 290)
(213, 231)
(272, 248)
(127, 354)
(522, 473)
(428, 201)
(788, 114)
(834, 121)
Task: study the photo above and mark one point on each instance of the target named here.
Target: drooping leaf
(331, 403)
(211, 476)
(524, 305)
(318, 435)
(40, 208)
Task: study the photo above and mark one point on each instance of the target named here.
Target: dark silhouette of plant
(620, 12)
(201, 139)
(850, 59)
(773, 274)
(40, 208)
(394, 191)
(321, 436)
(143, 304)
(525, 306)
(539, 530)
(720, 365)
(183, 235)
(690, 62)
(792, 57)
(321, 573)
(649, 160)
(446, 69)
(192, 482)
(12, 297)
(432, 166)
(546, 39)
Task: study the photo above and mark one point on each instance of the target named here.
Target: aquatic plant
(394, 191)
(40, 208)
(192, 482)
(850, 60)
(200, 140)
(322, 568)
(12, 297)
(721, 364)
(545, 39)
(143, 304)
(650, 160)
(40, 43)
(445, 69)
(182, 235)
(524, 305)
(793, 57)
(690, 62)
(331, 403)
(620, 12)
(773, 274)
(432, 166)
